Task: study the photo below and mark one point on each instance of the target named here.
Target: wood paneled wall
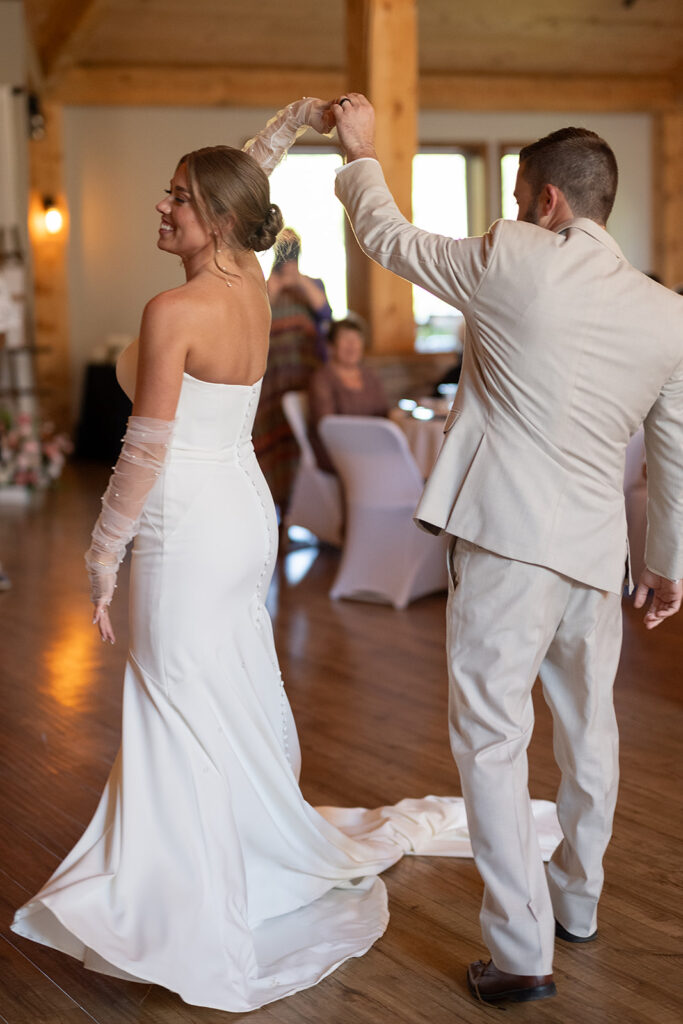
(49, 261)
(668, 196)
(382, 64)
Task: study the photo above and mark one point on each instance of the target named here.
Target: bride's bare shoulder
(175, 305)
(169, 319)
(173, 298)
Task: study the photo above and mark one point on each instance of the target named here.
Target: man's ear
(550, 198)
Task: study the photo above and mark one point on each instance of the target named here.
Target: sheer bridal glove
(141, 461)
(273, 141)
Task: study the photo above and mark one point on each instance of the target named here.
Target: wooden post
(668, 196)
(49, 255)
(382, 64)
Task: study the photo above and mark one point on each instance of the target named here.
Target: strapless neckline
(126, 372)
(220, 384)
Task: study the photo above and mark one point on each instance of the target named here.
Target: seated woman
(343, 386)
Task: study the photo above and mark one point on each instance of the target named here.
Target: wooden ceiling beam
(68, 23)
(272, 87)
(50, 273)
(169, 86)
(613, 93)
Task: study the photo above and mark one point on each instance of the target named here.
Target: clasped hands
(354, 118)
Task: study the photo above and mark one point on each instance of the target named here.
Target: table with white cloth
(424, 436)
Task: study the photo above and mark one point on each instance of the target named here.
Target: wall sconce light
(54, 220)
(36, 118)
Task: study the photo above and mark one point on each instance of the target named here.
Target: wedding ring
(343, 100)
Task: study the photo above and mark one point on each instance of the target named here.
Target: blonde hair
(231, 194)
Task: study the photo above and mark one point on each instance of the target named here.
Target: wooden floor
(368, 689)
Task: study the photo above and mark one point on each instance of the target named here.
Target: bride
(203, 868)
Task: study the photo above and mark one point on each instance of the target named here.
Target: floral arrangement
(31, 454)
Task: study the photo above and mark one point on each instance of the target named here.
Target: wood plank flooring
(367, 685)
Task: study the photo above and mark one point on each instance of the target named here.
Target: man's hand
(666, 599)
(355, 119)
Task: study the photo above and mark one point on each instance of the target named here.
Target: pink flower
(31, 454)
(24, 425)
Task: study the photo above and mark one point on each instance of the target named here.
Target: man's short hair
(578, 162)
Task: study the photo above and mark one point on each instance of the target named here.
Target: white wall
(12, 42)
(118, 160)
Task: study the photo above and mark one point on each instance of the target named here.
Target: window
(509, 165)
(302, 185)
(439, 205)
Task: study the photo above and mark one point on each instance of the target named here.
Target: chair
(316, 501)
(385, 556)
(635, 492)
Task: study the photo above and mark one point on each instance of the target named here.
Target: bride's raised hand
(272, 142)
(320, 116)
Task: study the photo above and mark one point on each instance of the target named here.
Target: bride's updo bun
(231, 194)
(266, 236)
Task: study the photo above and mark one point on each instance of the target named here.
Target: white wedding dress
(203, 869)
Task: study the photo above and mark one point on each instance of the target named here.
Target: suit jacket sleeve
(664, 450)
(449, 268)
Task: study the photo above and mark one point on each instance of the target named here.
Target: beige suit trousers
(508, 622)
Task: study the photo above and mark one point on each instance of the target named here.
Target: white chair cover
(316, 501)
(385, 556)
(635, 491)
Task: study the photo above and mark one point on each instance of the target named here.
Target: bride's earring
(223, 269)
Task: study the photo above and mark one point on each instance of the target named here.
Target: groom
(569, 350)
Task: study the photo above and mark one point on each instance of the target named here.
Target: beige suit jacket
(569, 349)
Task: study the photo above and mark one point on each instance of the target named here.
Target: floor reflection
(71, 660)
(298, 563)
(292, 566)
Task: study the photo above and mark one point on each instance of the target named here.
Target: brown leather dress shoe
(490, 985)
